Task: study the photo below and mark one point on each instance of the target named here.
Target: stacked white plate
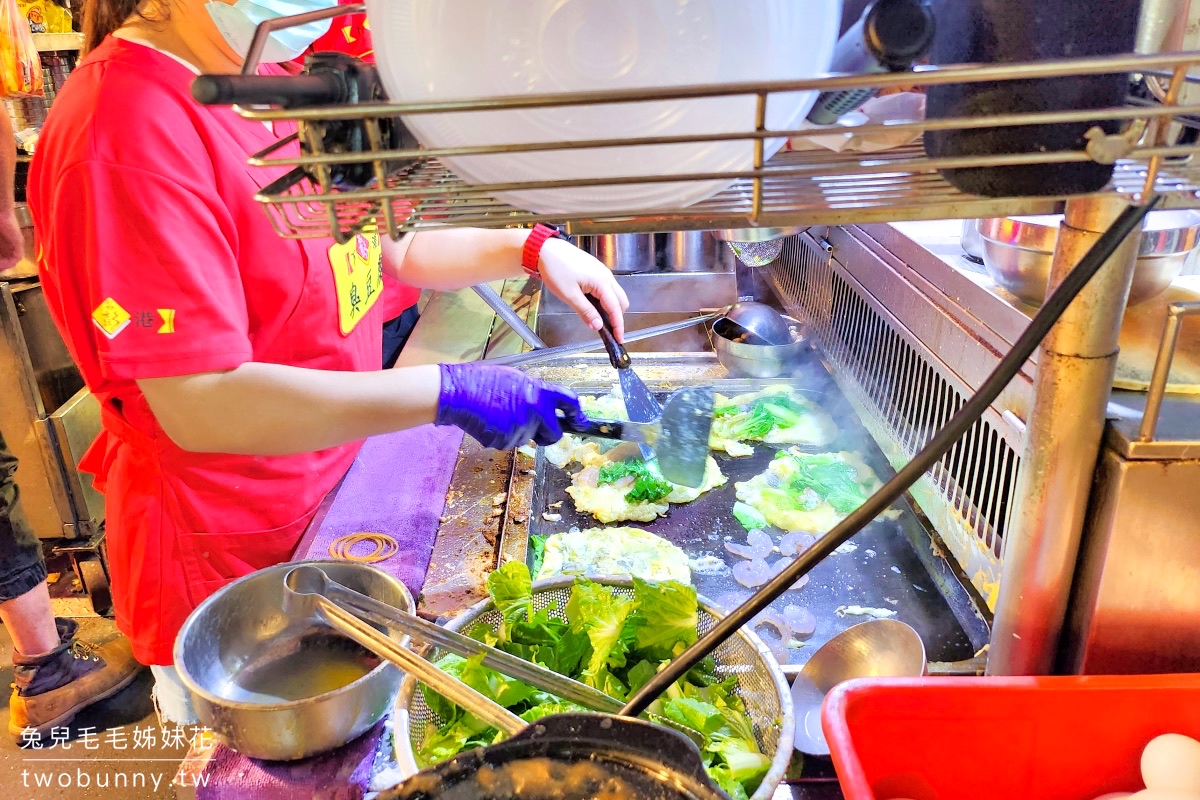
(431, 50)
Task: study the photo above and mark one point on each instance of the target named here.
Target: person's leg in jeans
(55, 675)
(24, 597)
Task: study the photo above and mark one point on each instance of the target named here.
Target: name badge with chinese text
(358, 277)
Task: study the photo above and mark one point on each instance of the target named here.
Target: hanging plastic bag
(20, 67)
(46, 16)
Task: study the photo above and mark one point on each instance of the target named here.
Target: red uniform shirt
(157, 262)
(349, 34)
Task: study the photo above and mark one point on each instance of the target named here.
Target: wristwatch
(532, 251)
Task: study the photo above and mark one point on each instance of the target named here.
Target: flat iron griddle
(893, 560)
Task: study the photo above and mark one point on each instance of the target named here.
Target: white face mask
(238, 22)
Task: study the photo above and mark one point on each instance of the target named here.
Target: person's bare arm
(12, 245)
(273, 410)
(454, 258)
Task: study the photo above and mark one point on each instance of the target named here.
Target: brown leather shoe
(50, 689)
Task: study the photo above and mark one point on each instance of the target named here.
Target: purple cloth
(343, 774)
(397, 486)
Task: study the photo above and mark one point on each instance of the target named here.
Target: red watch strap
(532, 252)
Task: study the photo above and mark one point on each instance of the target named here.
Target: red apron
(160, 570)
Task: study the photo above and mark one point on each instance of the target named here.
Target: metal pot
(623, 253)
(242, 630)
(695, 251)
(1018, 252)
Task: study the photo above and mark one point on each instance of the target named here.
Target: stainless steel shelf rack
(413, 189)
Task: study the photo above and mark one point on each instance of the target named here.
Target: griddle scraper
(679, 438)
(639, 403)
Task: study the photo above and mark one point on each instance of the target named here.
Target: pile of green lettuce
(615, 644)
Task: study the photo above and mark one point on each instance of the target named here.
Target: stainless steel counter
(1131, 608)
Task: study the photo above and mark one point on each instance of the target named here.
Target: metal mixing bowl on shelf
(760, 681)
(278, 688)
(756, 247)
(1018, 251)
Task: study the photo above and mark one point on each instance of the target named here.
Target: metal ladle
(308, 588)
(877, 648)
(764, 324)
(445, 684)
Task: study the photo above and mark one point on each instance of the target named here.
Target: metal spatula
(678, 438)
(639, 403)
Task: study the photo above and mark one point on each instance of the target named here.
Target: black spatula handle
(599, 428)
(616, 351)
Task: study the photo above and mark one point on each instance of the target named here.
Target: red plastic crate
(1057, 738)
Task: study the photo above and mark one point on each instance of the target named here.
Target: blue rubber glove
(502, 407)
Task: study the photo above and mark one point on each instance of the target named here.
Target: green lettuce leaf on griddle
(648, 485)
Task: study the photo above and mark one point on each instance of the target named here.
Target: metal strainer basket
(760, 682)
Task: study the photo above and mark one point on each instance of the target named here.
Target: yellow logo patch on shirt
(110, 318)
(357, 276)
(168, 320)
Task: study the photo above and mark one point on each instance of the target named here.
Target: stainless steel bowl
(756, 247)
(759, 361)
(880, 648)
(241, 634)
(1018, 251)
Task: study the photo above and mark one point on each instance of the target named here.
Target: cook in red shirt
(238, 372)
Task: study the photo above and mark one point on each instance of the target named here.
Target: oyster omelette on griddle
(616, 485)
